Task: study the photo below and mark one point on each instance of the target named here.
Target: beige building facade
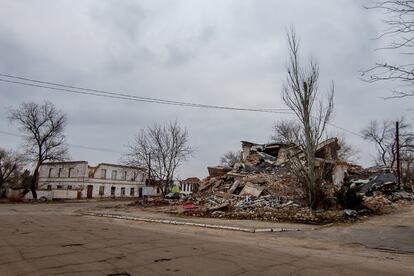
(77, 179)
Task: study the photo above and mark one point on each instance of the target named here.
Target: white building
(189, 185)
(76, 179)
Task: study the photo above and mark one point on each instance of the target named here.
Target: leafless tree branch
(383, 136)
(162, 148)
(400, 22)
(230, 158)
(301, 94)
(43, 126)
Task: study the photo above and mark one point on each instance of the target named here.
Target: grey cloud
(222, 52)
(124, 18)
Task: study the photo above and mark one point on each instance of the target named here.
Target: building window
(113, 191)
(59, 187)
(60, 172)
(102, 190)
(103, 174)
(49, 187)
(70, 173)
(122, 191)
(114, 175)
(124, 176)
(69, 187)
(131, 192)
(50, 172)
(158, 190)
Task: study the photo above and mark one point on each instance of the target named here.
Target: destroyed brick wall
(262, 180)
(269, 162)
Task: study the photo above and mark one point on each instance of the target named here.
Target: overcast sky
(219, 52)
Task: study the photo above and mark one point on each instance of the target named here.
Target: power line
(72, 145)
(116, 95)
(53, 86)
(346, 130)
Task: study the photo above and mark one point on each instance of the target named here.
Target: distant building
(76, 180)
(189, 185)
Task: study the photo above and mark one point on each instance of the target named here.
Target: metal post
(149, 169)
(397, 137)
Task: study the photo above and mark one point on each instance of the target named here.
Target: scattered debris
(350, 213)
(261, 186)
(376, 203)
(251, 189)
(189, 205)
(218, 170)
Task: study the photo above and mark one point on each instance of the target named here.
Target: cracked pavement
(53, 239)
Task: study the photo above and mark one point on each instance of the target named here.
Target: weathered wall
(125, 178)
(107, 189)
(78, 175)
(132, 174)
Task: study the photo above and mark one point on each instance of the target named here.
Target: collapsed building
(259, 157)
(263, 179)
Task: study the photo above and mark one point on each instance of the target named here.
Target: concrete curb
(195, 224)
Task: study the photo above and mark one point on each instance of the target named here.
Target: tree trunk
(34, 181)
(34, 194)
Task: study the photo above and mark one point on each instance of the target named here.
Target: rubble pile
(285, 213)
(254, 189)
(260, 189)
(261, 186)
(376, 203)
(241, 189)
(378, 188)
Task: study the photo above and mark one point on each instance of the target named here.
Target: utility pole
(149, 169)
(397, 137)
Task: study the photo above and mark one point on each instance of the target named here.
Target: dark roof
(268, 145)
(191, 180)
(120, 166)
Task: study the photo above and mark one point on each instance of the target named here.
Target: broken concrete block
(350, 213)
(252, 189)
(218, 171)
(204, 186)
(234, 187)
(222, 206)
(258, 180)
(218, 183)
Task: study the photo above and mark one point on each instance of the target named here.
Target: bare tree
(346, 152)
(383, 135)
(286, 131)
(289, 131)
(162, 148)
(400, 29)
(43, 126)
(230, 158)
(301, 95)
(10, 164)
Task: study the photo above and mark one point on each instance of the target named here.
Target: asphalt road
(52, 239)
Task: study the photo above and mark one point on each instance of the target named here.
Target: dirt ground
(48, 239)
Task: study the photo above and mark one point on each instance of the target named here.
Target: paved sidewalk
(251, 226)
